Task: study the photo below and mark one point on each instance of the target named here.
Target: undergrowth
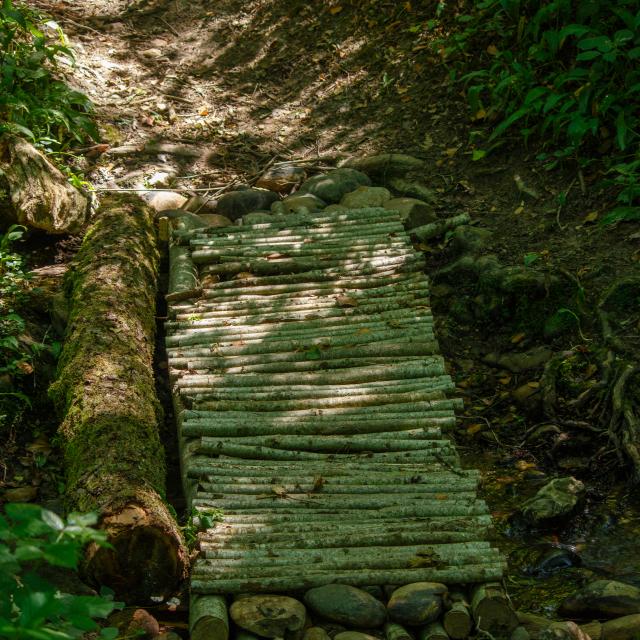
(37, 547)
(564, 73)
(34, 99)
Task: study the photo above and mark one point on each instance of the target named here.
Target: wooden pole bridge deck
(313, 407)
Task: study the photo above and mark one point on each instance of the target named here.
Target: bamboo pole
(241, 401)
(202, 582)
(467, 488)
(435, 387)
(428, 366)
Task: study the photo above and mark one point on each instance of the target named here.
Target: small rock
(152, 53)
(520, 633)
(236, 203)
(410, 189)
(161, 179)
(299, 204)
(215, 220)
(386, 164)
(366, 197)
(269, 616)
(354, 635)
(332, 186)
(527, 395)
(556, 499)
(135, 623)
(413, 212)
(467, 239)
(335, 208)
(163, 200)
(282, 178)
(602, 599)
(417, 603)
(517, 362)
(256, 217)
(347, 605)
(316, 633)
(552, 560)
(563, 631)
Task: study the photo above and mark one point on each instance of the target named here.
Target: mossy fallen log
(105, 391)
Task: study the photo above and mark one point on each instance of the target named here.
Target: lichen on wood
(105, 391)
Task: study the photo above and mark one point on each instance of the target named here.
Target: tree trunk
(36, 194)
(105, 390)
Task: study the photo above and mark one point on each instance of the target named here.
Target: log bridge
(313, 407)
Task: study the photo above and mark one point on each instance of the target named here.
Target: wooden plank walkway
(312, 405)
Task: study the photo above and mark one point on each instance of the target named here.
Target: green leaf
(621, 131)
(478, 154)
(530, 258)
(505, 124)
(621, 214)
(588, 55)
(53, 520)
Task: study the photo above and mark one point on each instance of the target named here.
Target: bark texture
(105, 391)
(36, 194)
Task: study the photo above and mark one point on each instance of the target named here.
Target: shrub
(33, 100)
(565, 72)
(32, 607)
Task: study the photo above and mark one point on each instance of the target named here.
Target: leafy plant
(565, 72)
(13, 285)
(32, 607)
(34, 102)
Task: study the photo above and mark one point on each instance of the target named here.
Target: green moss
(105, 388)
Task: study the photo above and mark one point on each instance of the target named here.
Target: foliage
(32, 607)
(14, 356)
(567, 73)
(33, 101)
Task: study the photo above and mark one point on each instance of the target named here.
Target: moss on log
(105, 391)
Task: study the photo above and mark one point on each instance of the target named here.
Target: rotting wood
(208, 618)
(105, 391)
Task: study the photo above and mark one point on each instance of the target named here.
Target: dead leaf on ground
(346, 301)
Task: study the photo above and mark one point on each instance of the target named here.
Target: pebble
(417, 603)
(298, 204)
(603, 598)
(413, 212)
(282, 178)
(268, 615)
(553, 560)
(366, 197)
(215, 220)
(198, 204)
(316, 633)
(163, 200)
(354, 635)
(556, 499)
(236, 203)
(411, 189)
(332, 186)
(257, 217)
(151, 53)
(346, 605)
(135, 622)
(386, 164)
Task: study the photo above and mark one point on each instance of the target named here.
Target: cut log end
(146, 559)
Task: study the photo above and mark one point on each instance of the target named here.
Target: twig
(559, 209)
(81, 26)
(175, 33)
